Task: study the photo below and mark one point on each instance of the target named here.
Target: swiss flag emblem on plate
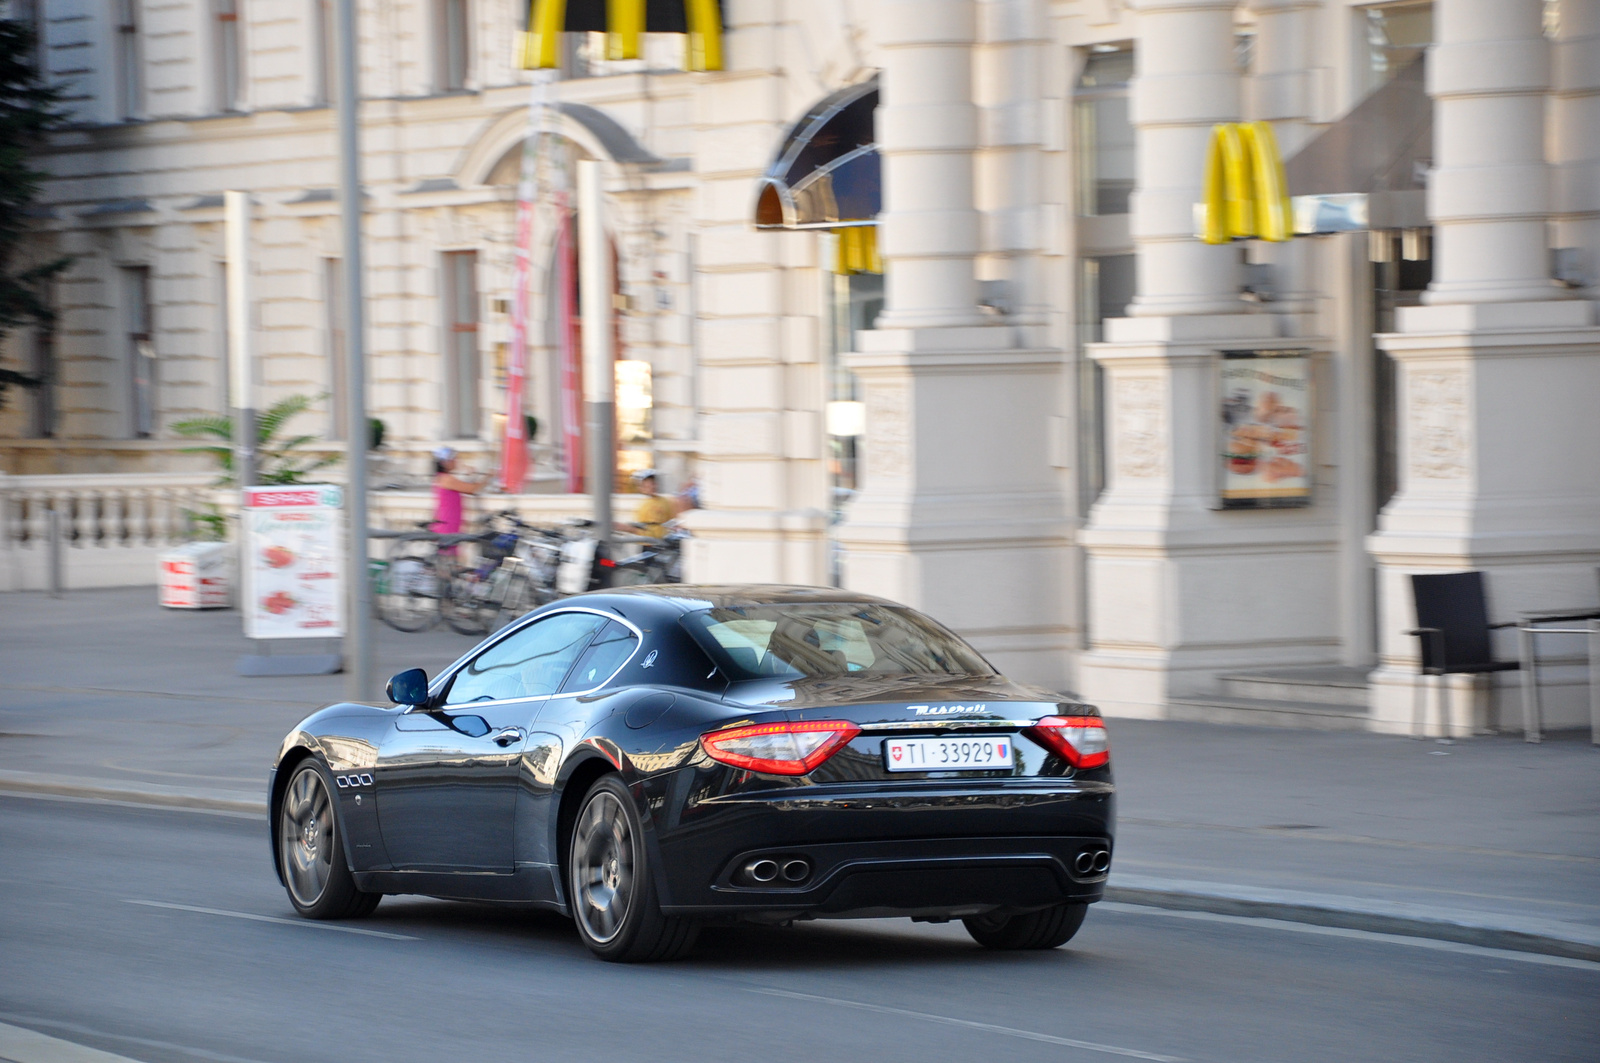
(897, 752)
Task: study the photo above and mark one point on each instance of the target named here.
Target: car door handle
(508, 736)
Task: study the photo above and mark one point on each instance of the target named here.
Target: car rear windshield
(816, 639)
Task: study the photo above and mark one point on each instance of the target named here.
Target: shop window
(1105, 144)
(129, 76)
(1105, 288)
(229, 55)
(461, 344)
(1397, 35)
(140, 351)
(452, 38)
(634, 406)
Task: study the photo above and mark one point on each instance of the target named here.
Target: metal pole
(57, 568)
(236, 241)
(599, 354)
(358, 664)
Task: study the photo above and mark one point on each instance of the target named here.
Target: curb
(1546, 937)
(28, 782)
(1351, 913)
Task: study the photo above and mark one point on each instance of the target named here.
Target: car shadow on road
(746, 948)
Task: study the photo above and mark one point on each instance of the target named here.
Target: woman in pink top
(447, 491)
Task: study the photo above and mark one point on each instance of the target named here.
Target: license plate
(971, 753)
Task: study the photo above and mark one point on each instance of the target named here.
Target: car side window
(528, 664)
(607, 653)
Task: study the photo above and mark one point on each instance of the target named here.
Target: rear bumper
(933, 851)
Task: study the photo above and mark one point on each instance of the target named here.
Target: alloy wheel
(305, 836)
(603, 867)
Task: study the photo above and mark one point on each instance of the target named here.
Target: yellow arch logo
(625, 24)
(1246, 192)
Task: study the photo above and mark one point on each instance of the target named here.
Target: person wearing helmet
(654, 511)
(447, 491)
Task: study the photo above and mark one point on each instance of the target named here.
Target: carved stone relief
(1139, 433)
(888, 439)
(1437, 429)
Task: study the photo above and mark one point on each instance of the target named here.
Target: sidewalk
(1490, 841)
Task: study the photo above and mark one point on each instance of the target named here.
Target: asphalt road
(163, 935)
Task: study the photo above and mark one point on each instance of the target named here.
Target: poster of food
(292, 585)
(1266, 429)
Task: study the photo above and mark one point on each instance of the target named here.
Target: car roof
(688, 598)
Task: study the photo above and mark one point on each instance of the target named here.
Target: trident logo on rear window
(946, 710)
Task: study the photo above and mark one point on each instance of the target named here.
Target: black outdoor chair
(1453, 626)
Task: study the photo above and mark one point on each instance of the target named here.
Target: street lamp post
(599, 355)
(358, 593)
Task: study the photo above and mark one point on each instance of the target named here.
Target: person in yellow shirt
(654, 511)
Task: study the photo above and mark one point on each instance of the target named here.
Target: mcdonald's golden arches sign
(624, 23)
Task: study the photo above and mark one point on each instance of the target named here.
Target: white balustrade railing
(104, 511)
(114, 525)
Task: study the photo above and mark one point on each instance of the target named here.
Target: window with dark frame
(130, 82)
(461, 343)
(453, 42)
(327, 52)
(141, 352)
(229, 55)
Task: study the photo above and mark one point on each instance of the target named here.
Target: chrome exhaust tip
(1083, 864)
(762, 870)
(796, 870)
(1102, 861)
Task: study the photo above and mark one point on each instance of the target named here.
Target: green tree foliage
(276, 460)
(28, 111)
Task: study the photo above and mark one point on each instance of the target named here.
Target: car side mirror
(410, 687)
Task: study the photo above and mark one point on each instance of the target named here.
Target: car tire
(311, 852)
(1048, 928)
(611, 885)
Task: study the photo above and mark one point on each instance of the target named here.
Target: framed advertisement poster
(1266, 429)
(291, 562)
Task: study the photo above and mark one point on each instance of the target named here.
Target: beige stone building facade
(1038, 367)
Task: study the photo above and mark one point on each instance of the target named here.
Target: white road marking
(1356, 935)
(309, 924)
(55, 1050)
(21, 1045)
(1026, 1035)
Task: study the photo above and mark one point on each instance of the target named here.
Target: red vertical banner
(514, 453)
(571, 348)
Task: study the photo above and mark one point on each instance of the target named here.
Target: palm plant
(276, 462)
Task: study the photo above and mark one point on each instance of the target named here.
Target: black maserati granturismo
(649, 760)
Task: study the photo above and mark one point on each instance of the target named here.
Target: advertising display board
(292, 562)
(1266, 429)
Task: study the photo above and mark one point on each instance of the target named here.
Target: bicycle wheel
(520, 596)
(466, 606)
(406, 592)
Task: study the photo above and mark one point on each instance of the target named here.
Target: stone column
(764, 485)
(1500, 448)
(1010, 90)
(1280, 92)
(1179, 591)
(927, 131)
(960, 511)
(1488, 195)
(1574, 147)
(1185, 82)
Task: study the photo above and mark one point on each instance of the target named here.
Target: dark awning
(1372, 164)
(826, 174)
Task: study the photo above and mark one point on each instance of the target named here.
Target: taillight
(1081, 739)
(779, 748)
